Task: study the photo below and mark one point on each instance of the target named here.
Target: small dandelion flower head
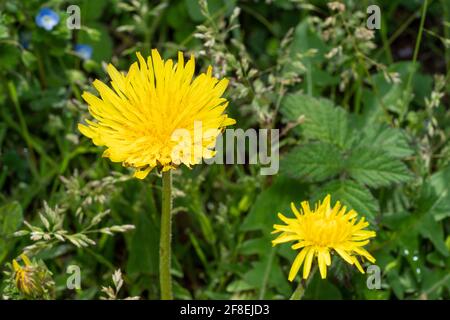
(84, 51)
(24, 276)
(33, 279)
(47, 19)
(137, 118)
(322, 231)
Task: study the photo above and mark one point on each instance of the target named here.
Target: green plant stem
(165, 237)
(154, 25)
(23, 128)
(416, 53)
(302, 285)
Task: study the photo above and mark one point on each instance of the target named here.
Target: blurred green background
(376, 132)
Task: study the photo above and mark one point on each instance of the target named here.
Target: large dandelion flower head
(322, 231)
(138, 116)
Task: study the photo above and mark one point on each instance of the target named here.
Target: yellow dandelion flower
(24, 276)
(33, 279)
(321, 231)
(137, 116)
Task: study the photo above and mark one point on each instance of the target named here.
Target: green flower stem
(165, 237)
(415, 55)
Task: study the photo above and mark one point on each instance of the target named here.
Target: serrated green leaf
(314, 161)
(392, 141)
(352, 195)
(375, 169)
(322, 122)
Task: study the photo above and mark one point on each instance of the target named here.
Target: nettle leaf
(369, 154)
(394, 142)
(314, 161)
(352, 195)
(323, 121)
(376, 169)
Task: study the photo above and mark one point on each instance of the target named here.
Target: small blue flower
(47, 19)
(84, 51)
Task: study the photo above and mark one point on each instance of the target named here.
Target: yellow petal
(25, 260)
(141, 174)
(344, 255)
(16, 266)
(295, 210)
(308, 262)
(322, 264)
(358, 265)
(296, 264)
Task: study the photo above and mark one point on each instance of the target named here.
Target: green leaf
(28, 59)
(102, 47)
(276, 198)
(322, 122)
(392, 95)
(439, 181)
(305, 39)
(214, 6)
(376, 169)
(275, 277)
(9, 57)
(11, 218)
(432, 230)
(92, 10)
(255, 246)
(394, 142)
(238, 286)
(408, 225)
(320, 289)
(314, 161)
(434, 282)
(353, 195)
(144, 249)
